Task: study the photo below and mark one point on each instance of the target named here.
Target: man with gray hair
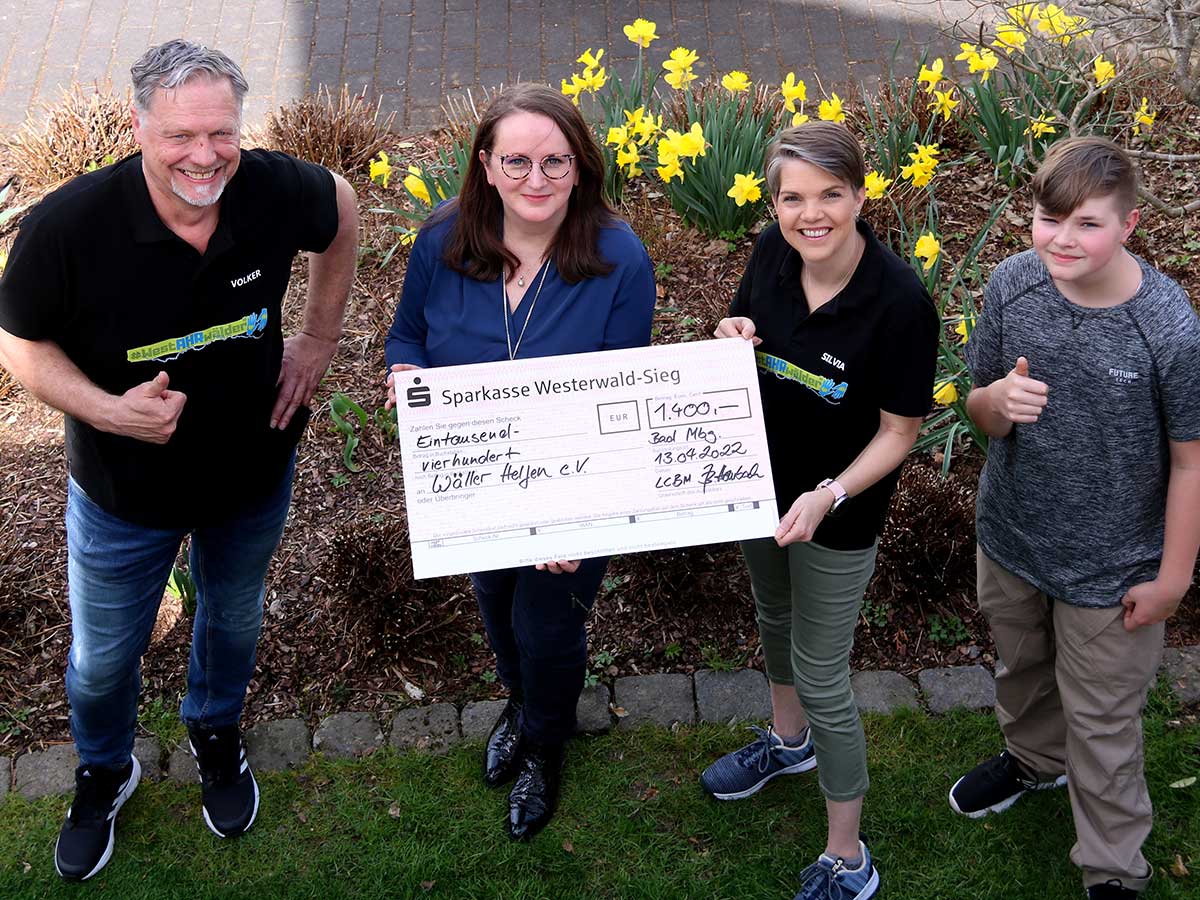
(144, 301)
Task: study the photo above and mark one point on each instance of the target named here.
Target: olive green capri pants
(808, 598)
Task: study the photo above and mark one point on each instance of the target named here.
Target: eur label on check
(569, 457)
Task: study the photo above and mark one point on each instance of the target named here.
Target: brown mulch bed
(347, 628)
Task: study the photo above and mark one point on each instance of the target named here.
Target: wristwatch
(839, 492)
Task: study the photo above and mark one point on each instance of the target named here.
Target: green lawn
(633, 824)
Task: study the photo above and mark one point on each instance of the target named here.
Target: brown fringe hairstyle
(475, 245)
(1077, 169)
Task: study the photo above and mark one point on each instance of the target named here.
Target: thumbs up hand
(147, 412)
(1019, 398)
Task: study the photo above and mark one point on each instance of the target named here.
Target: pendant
(520, 281)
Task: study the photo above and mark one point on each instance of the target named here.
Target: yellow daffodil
(641, 32)
(679, 68)
(670, 169)
(876, 184)
(798, 119)
(1143, 118)
(984, 61)
(381, 169)
(736, 82)
(928, 247)
(919, 175)
(792, 91)
(831, 110)
(924, 163)
(745, 189)
(978, 59)
(591, 62)
(628, 156)
(416, 185)
(642, 128)
(681, 58)
(680, 80)
(691, 143)
(1024, 15)
(407, 237)
(617, 136)
(3, 259)
(1041, 126)
(931, 76)
(1010, 38)
(925, 154)
(1055, 22)
(1103, 71)
(594, 79)
(573, 87)
(963, 330)
(945, 393)
(944, 103)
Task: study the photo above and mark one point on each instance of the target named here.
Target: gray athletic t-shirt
(1075, 503)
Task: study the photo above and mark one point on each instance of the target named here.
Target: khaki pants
(1071, 684)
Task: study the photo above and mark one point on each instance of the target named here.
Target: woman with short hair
(528, 261)
(847, 344)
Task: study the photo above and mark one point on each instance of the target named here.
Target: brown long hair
(475, 246)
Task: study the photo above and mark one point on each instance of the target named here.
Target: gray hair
(826, 145)
(175, 63)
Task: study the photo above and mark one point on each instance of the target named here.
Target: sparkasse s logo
(418, 396)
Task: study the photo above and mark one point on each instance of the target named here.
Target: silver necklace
(845, 278)
(512, 351)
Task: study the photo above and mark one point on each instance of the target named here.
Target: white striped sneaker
(85, 842)
(228, 790)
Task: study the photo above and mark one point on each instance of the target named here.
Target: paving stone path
(412, 54)
(665, 700)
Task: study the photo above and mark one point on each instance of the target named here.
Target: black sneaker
(85, 842)
(994, 785)
(1112, 889)
(228, 790)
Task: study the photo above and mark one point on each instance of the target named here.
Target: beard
(210, 196)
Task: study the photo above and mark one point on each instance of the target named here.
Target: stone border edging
(666, 700)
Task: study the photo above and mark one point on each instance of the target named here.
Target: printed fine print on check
(570, 457)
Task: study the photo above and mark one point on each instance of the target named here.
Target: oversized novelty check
(569, 457)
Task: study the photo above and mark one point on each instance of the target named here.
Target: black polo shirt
(95, 270)
(825, 376)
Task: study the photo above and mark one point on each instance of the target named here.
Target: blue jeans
(536, 624)
(116, 574)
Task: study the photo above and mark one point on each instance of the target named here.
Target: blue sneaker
(743, 772)
(829, 879)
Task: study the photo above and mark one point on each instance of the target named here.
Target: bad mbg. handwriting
(692, 434)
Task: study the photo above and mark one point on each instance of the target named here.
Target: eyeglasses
(517, 166)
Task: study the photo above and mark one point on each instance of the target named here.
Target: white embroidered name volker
(245, 279)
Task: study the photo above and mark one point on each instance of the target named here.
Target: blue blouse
(447, 319)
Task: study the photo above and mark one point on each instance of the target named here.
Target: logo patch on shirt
(250, 326)
(1123, 376)
(245, 279)
(826, 388)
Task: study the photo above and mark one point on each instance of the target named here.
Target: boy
(1086, 362)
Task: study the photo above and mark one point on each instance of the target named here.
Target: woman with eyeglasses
(529, 260)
